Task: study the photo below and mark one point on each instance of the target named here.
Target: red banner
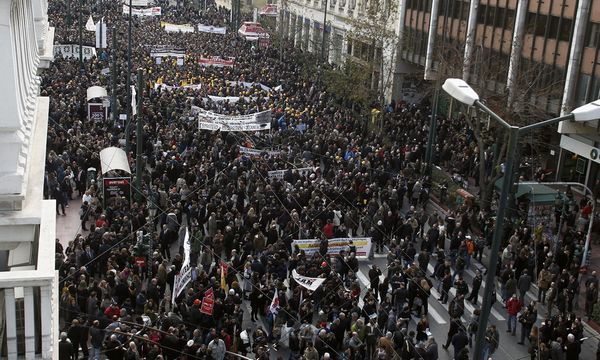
(216, 61)
(208, 302)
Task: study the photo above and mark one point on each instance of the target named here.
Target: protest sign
(184, 28)
(212, 29)
(279, 174)
(216, 61)
(153, 11)
(311, 246)
(257, 152)
(310, 283)
(185, 274)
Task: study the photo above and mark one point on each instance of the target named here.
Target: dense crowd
(363, 183)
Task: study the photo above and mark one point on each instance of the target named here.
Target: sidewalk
(67, 227)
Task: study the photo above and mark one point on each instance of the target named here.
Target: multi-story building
(28, 281)
(538, 53)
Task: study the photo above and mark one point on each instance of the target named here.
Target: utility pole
(127, 123)
(113, 76)
(80, 39)
(432, 131)
(139, 133)
(101, 27)
(282, 30)
(324, 32)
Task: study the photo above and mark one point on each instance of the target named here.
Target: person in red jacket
(513, 306)
(328, 229)
(112, 310)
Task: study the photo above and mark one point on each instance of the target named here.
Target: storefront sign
(117, 188)
(97, 112)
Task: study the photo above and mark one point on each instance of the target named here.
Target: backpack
(425, 286)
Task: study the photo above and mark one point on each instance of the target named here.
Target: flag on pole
(223, 276)
(89, 25)
(133, 101)
(274, 307)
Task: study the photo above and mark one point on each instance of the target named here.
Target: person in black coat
(454, 326)
(78, 336)
(460, 341)
(65, 348)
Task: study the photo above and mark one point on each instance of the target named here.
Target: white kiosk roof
(114, 158)
(96, 92)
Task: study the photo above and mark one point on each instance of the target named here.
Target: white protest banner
(137, 2)
(172, 87)
(279, 174)
(248, 84)
(245, 127)
(231, 99)
(202, 125)
(257, 152)
(216, 61)
(153, 11)
(185, 274)
(311, 246)
(184, 28)
(212, 29)
(172, 53)
(262, 117)
(310, 283)
(72, 51)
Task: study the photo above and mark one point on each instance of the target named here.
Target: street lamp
(461, 91)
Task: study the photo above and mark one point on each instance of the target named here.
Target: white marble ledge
(47, 53)
(29, 211)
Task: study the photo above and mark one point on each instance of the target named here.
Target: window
(481, 14)
(510, 19)
(565, 30)
(592, 34)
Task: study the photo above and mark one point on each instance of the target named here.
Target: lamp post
(324, 31)
(113, 76)
(127, 123)
(432, 131)
(80, 25)
(139, 134)
(461, 91)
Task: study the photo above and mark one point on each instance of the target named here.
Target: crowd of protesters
(364, 183)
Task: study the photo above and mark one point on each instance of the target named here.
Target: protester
(334, 179)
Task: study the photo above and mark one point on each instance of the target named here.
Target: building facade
(28, 281)
(542, 53)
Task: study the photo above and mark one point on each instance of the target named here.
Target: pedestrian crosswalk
(439, 319)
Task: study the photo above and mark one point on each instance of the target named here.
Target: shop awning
(253, 31)
(536, 193)
(96, 92)
(114, 158)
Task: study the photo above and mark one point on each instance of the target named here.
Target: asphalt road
(439, 319)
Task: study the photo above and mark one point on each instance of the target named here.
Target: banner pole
(139, 135)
